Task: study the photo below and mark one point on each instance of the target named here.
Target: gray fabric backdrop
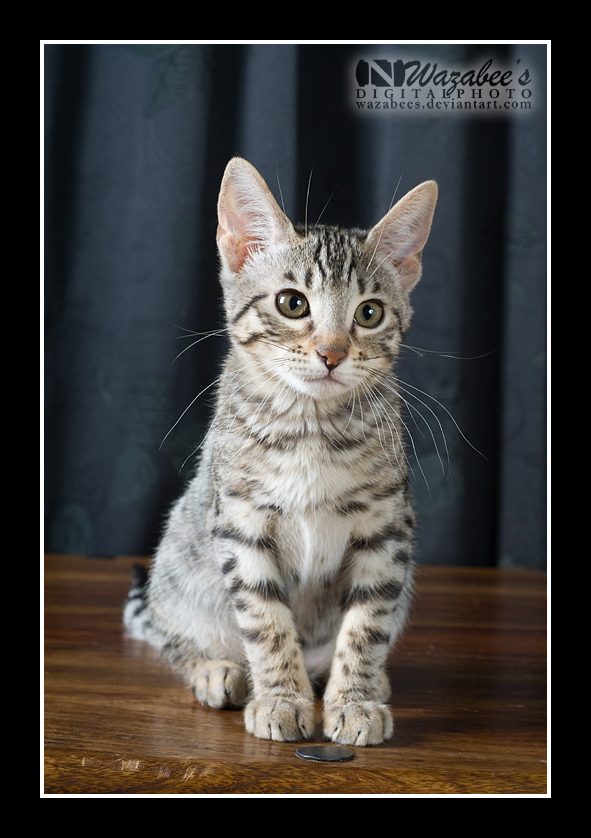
(136, 140)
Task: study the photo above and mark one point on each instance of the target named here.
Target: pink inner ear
(249, 218)
(233, 240)
(236, 248)
(401, 235)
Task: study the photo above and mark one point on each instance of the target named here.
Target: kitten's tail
(136, 612)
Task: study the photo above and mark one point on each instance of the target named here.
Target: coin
(325, 753)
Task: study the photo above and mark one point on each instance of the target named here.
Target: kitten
(287, 562)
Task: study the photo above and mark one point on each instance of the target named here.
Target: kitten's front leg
(282, 705)
(355, 712)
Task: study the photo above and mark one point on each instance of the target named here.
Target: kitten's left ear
(398, 239)
(249, 218)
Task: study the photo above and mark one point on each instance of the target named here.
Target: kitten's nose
(331, 357)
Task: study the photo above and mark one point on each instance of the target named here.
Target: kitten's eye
(369, 314)
(292, 304)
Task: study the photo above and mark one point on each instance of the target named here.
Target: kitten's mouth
(330, 375)
(322, 385)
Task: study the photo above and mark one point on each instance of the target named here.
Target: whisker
(193, 332)
(420, 352)
(412, 408)
(307, 197)
(378, 266)
(277, 409)
(401, 445)
(265, 374)
(189, 406)
(327, 203)
(396, 190)
(443, 407)
(264, 402)
(205, 336)
(373, 401)
(279, 187)
(411, 438)
(253, 420)
(354, 394)
(227, 401)
(276, 343)
(211, 424)
(382, 230)
(362, 423)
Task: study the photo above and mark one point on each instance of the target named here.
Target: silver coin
(325, 753)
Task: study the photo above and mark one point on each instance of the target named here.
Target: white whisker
(306, 210)
(211, 424)
(420, 352)
(279, 187)
(410, 437)
(382, 230)
(326, 204)
(217, 380)
(443, 407)
(399, 444)
(277, 408)
(205, 336)
(378, 266)
(253, 419)
(372, 400)
(264, 374)
(412, 409)
(353, 393)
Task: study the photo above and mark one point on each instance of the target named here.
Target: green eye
(292, 304)
(369, 314)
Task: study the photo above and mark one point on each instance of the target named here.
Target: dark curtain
(136, 140)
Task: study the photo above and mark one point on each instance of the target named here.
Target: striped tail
(136, 613)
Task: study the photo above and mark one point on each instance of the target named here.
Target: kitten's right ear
(249, 218)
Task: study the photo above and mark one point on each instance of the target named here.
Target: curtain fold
(136, 140)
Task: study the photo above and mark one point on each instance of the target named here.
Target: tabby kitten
(287, 561)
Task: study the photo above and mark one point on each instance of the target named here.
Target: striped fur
(287, 562)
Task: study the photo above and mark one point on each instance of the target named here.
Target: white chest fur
(313, 544)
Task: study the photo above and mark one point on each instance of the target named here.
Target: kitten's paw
(358, 723)
(281, 719)
(219, 684)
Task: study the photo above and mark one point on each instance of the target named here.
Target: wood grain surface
(468, 698)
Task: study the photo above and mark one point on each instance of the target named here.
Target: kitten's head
(320, 308)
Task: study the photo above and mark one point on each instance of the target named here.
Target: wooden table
(469, 699)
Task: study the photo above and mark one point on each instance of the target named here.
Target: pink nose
(331, 357)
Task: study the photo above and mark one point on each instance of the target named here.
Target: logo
(411, 86)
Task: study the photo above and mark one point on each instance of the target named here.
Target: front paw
(358, 723)
(219, 683)
(281, 719)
